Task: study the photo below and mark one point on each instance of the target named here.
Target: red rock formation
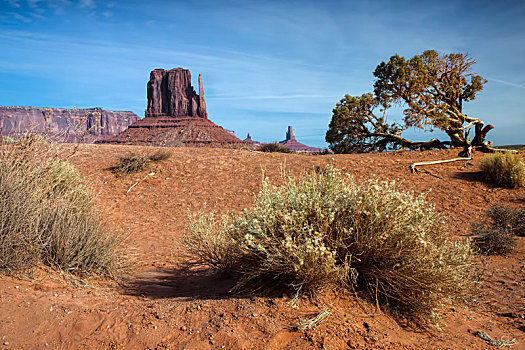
(293, 145)
(176, 115)
(70, 124)
(202, 103)
(170, 94)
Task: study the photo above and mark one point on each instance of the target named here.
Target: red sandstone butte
(176, 115)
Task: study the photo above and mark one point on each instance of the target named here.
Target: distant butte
(293, 145)
(176, 115)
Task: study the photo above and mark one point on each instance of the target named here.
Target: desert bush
(493, 240)
(508, 218)
(273, 147)
(133, 163)
(504, 169)
(47, 215)
(325, 228)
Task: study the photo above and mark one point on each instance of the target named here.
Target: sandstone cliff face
(70, 123)
(170, 94)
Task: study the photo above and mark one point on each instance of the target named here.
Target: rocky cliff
(72, 124)
(171, 94)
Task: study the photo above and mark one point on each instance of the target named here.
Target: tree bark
(480, 133)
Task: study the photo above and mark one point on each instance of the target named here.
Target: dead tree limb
(486, 147)
(414, 169)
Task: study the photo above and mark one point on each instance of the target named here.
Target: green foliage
(46, 213)
(273, 147)
(430, 87)
(324, 228)
(504, 169)
(356, 128)
(134, 163)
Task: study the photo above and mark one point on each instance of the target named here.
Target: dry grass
(325, 228)
(133, 163)
(46, 213)
(304, 324)
(504, 169)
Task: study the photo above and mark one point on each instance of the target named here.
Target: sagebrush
(47, 215)
(504, 169)
(325, 228)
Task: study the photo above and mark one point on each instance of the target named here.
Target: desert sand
(161, 306)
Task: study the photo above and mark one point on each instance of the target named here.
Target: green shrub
(504, 169)
(273, 147)
(133, 163)
(46, 213)
(324, 228)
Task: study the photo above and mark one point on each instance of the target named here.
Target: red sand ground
(163, 307)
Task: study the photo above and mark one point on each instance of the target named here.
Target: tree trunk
(480, 133)
(457, 139)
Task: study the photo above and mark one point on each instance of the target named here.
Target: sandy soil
(164, 307)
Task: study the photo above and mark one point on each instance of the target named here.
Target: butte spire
(176, 115)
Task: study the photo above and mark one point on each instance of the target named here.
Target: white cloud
(86, 4)
(14, 3)
(33, 3)
(506, 83)
(268, 97)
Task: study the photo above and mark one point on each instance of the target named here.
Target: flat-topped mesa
(70, 124)
(170, 94)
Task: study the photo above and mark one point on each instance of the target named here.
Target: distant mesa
(70, 124)
(176, 115)
(293, 145)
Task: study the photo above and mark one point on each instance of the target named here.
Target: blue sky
(265, 64)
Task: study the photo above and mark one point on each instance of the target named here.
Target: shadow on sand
(190, 284)
(472, 176)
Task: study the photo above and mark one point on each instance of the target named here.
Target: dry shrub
(508, 218)
(497, 236)
(160, 155)
(504, 169)
(273, 147)
(133, 163)
(325, 228)
(493, 240)
(46, 213)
